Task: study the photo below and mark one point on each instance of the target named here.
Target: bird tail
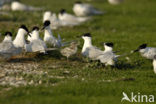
(97, 12)
(126, 54)
(52, 49)
(83, 19)
(59, 38)
(30, 8)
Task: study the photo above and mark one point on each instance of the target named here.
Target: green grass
(127, 26)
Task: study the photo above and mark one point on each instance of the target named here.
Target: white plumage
(7, 48)
(88, 49)
(55, 22)
(49, 38)
(83, 9)
(36, 44)
(19, 40)
(17, 6)
(71, 20)
(154, 64)
(147, 52)
(108, 57)
(115, 2)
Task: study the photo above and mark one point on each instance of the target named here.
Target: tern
(69, 19)
(19, 40)
(108, 57)
(83, 9)
(49, 38)
(36, 44)
(115, 2)
(55, 22)
(147, 52)
(17, 6)
(88, 49)
(7, 48)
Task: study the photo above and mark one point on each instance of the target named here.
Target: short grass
(127, 26)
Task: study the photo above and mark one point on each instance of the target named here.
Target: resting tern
(55, 22)
(115, 2)
(147, 52)
(108, 57)
(17, 6)
(83, 9)
(69, 19)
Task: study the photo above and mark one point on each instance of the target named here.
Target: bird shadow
(35, 57)
(123, 65)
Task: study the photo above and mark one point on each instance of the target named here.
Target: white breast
(115, 2)
(79, 10)
(15, 6)
(154, 66)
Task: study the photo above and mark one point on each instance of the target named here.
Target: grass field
(77, 82)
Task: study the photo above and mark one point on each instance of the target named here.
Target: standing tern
(19, 40)
(49, 39)
(36, 44)
(34, 34)
(88, 49)
(7, 48)
(83, 9)
(8, 37)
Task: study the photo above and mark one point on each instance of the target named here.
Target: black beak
(29, 34)
(43, 27)
(136, 50)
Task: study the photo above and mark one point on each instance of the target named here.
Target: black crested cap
(110, 44)
(143, 46)
(87, 35)
(25, 28)
(62, 11)
(47, 23)
(8, 33)
(78, 2)
(35, 28)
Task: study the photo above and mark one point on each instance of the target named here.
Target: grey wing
(106, 57)
(94, 52)
(8, 50)
(90, 8)
(6, 47)
(38, 45)
(152, 52)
